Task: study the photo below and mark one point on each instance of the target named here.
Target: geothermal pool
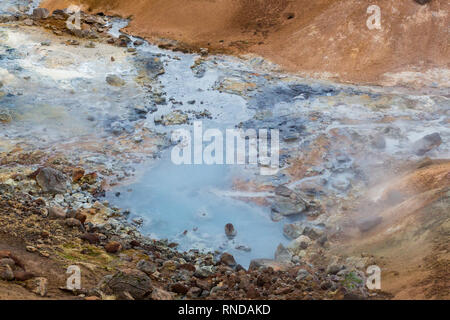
(188, 204)
(59, 100)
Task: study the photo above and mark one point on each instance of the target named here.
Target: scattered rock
(28, 22)
(40, 13)
(81, 217)
(302, 274)
(333, 268)
(146, 266)
(194, 292)
(301, 243)
(74, 223)
(115, 81)
(228, 260)
(51, 180)
(230, 231)
(6, 273)
(204, 272)
(133, 281)
(179, 288)
(31, 249)
(289, 205)
(266, 263)
(23, 275)
(38, 286)
(427, 143)
(282, 254)
(326, 285)
(56, 213)
(92, 238)
(174, 118)
(5, 116)
(7, 262)
(113, 247)
(160, 294)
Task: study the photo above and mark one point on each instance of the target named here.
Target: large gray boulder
(51, 180)
(132, 281)
(427, 143)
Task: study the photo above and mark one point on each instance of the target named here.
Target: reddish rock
(251, 292)
(89, 178)
(81, 216)
(203, 284)
(228, 260)
(230, 231)
(74, 223)
(8, 254)
(113, 247)
(173, 245)
(187, 266)
(23, 275)
(179, 288)
(56, 213)
(135, 243)
(45, 234)
(194, 292)
(77, 174)
(5, 254)
(92, 238)
(38, 286)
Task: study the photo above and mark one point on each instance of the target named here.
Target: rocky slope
(323, 38)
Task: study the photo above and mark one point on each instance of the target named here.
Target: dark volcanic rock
(230, 231)
(179, 288)
(133, 281)
(427, 143)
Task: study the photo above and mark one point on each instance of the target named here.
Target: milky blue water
(172, 199)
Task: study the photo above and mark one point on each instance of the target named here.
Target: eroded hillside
(324, 38)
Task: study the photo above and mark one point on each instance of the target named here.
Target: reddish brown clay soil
(321, 38)
(412, 241)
